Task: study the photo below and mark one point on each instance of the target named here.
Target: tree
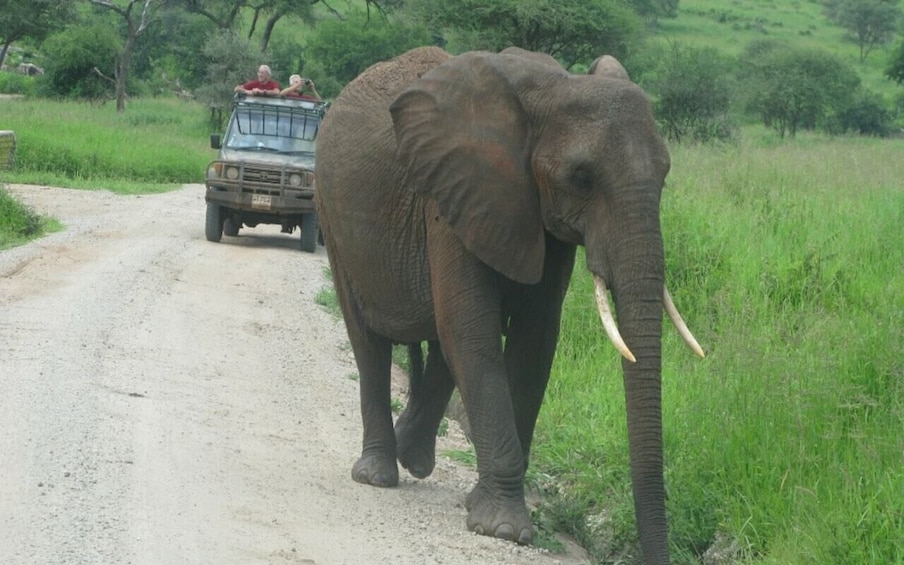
(230, 59)
(895, 66)
(35, 19)
(572, 31)
(225, 13)
(134, 27)
(341, 49)
(692, 88)
(871, 22)
(274, 11)
(793, 88)
(76, 51)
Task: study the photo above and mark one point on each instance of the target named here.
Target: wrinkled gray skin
(453, 193)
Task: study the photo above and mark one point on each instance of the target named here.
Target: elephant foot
(499, 517)
(417, 451)
(378, 471)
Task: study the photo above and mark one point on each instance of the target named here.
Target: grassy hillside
(729, 25)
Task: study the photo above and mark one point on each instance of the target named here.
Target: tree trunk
(3, 52)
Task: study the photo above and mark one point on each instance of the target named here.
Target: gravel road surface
(167, 400)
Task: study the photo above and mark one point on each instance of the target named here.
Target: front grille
(263, 176)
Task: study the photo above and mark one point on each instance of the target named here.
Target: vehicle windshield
(272, 129)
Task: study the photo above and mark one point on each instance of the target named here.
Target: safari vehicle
(264, 173)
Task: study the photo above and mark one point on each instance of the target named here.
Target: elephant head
(513, 149)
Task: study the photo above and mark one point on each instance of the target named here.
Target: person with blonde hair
(262, 86)
(297, 86)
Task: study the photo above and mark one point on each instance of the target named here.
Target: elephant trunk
(637, 288)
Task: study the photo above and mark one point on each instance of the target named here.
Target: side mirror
(215, 141)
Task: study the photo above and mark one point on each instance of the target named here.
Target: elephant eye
(581, 178)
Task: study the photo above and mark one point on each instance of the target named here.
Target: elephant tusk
(679, 323)
(602, 303)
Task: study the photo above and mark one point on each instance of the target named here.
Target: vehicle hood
(303, 160)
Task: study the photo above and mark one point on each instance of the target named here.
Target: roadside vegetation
(783, 220)
(784, 445)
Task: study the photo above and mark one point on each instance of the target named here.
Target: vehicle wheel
(213, 225)
(309, 229)
(231, 227)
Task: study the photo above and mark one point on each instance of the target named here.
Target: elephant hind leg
(373, 355)
(416, 428)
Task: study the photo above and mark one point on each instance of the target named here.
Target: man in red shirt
(263, 86)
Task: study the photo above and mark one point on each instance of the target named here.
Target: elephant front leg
(416, 428)
(468, 306)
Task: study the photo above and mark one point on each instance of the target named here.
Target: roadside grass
(785, 259)
(155, 146)
(20, 224)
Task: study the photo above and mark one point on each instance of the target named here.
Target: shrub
(794, 88)
(15, 83)
(77, 52)
(866, 115)
(693, 95)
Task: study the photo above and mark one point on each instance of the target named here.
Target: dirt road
(167, 400)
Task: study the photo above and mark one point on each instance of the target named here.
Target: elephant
(453, 192)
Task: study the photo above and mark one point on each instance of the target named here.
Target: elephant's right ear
(463, 140)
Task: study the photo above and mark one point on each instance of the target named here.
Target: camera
(306, 82)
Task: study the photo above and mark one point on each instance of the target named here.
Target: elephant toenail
(505, 531)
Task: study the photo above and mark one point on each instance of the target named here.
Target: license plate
(261, 201)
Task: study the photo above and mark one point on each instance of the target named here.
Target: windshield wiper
(254, 148)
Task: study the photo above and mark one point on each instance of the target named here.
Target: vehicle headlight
(213, 171)
(295, 179)
(232, 173)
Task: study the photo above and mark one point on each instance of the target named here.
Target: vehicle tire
(309, 229)
(213, 225)
(231, 227)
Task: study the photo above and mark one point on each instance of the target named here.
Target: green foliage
(15, 83)
(158, 143)
(784, 444)
(693, 87)
(651, 10)
(871, 23)
(572, 31)
(32, 19)
(169, 51)
(866, 115)
(230, 60)
(895, 67)
(18, 223)
(77, 51)
(792, 88)
(341, 50)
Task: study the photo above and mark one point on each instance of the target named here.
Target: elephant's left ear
(462, 139)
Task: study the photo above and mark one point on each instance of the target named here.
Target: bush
(693, 95)
(77, 51)
(14, 83)
(343, 49)
(866, 115)
(17, 222)
(230, 60)
(794, 88)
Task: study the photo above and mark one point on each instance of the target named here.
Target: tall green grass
(156, 144)
(788, 439)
